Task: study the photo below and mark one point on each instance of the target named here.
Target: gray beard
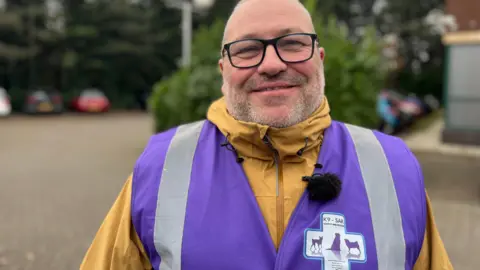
(302, 110)
(309, 101)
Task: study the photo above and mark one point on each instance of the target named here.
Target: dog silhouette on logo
(352, 245)
(316, 246)
(336, 243)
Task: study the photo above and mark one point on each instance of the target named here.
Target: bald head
(290, 13)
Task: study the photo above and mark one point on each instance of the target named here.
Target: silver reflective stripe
(384, 208)
(172, 195)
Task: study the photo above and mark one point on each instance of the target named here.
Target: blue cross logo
(333, 245)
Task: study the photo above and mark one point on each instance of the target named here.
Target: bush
(186, 95)
(353, 71)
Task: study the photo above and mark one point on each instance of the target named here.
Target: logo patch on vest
(333, 244)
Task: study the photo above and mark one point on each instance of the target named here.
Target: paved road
(58, 178)
(60, 175)
(453, 184)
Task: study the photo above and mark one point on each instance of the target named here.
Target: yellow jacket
(117, 245)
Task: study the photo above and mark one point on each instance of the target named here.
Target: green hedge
(354, 75)
(186, 95)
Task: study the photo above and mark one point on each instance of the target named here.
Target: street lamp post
(187, 11)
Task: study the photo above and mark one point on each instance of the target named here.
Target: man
(229, 192)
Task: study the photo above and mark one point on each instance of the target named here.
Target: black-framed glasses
(291, 48)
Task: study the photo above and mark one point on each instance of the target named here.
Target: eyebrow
(282, 32)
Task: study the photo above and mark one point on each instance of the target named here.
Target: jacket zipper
(279, 192)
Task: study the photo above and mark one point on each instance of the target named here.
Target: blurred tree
(120, 46)
(355, 69)
(25, 46)
(420, 50)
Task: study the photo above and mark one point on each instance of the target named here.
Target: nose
(271, 64)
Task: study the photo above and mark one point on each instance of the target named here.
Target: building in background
(462, 74)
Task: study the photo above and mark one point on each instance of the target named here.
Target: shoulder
(404, 167)
(154, 151)
(395, 149)
(399, 155)
(148, 167)
(403, 164)
(152, 158)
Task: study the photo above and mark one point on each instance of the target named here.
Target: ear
(321, 52)
(220, 65)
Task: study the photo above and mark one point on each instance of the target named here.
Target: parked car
(43, 101)
(5, 105)
(425, 105)
(392, 119)
(398, 111)
(91, 100)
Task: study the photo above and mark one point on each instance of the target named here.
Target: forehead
(267, 19)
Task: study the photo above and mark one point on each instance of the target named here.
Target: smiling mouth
(273, 88)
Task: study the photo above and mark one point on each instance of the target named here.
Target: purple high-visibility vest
(193, 208)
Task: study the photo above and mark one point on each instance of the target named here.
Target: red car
(91, 100)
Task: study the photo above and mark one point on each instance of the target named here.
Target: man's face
(275, 93)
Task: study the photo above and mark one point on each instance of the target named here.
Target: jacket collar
(248, 138)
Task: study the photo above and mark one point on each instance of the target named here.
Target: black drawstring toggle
(230, 147)
(300, 152)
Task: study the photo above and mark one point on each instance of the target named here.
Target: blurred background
(84, 83)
